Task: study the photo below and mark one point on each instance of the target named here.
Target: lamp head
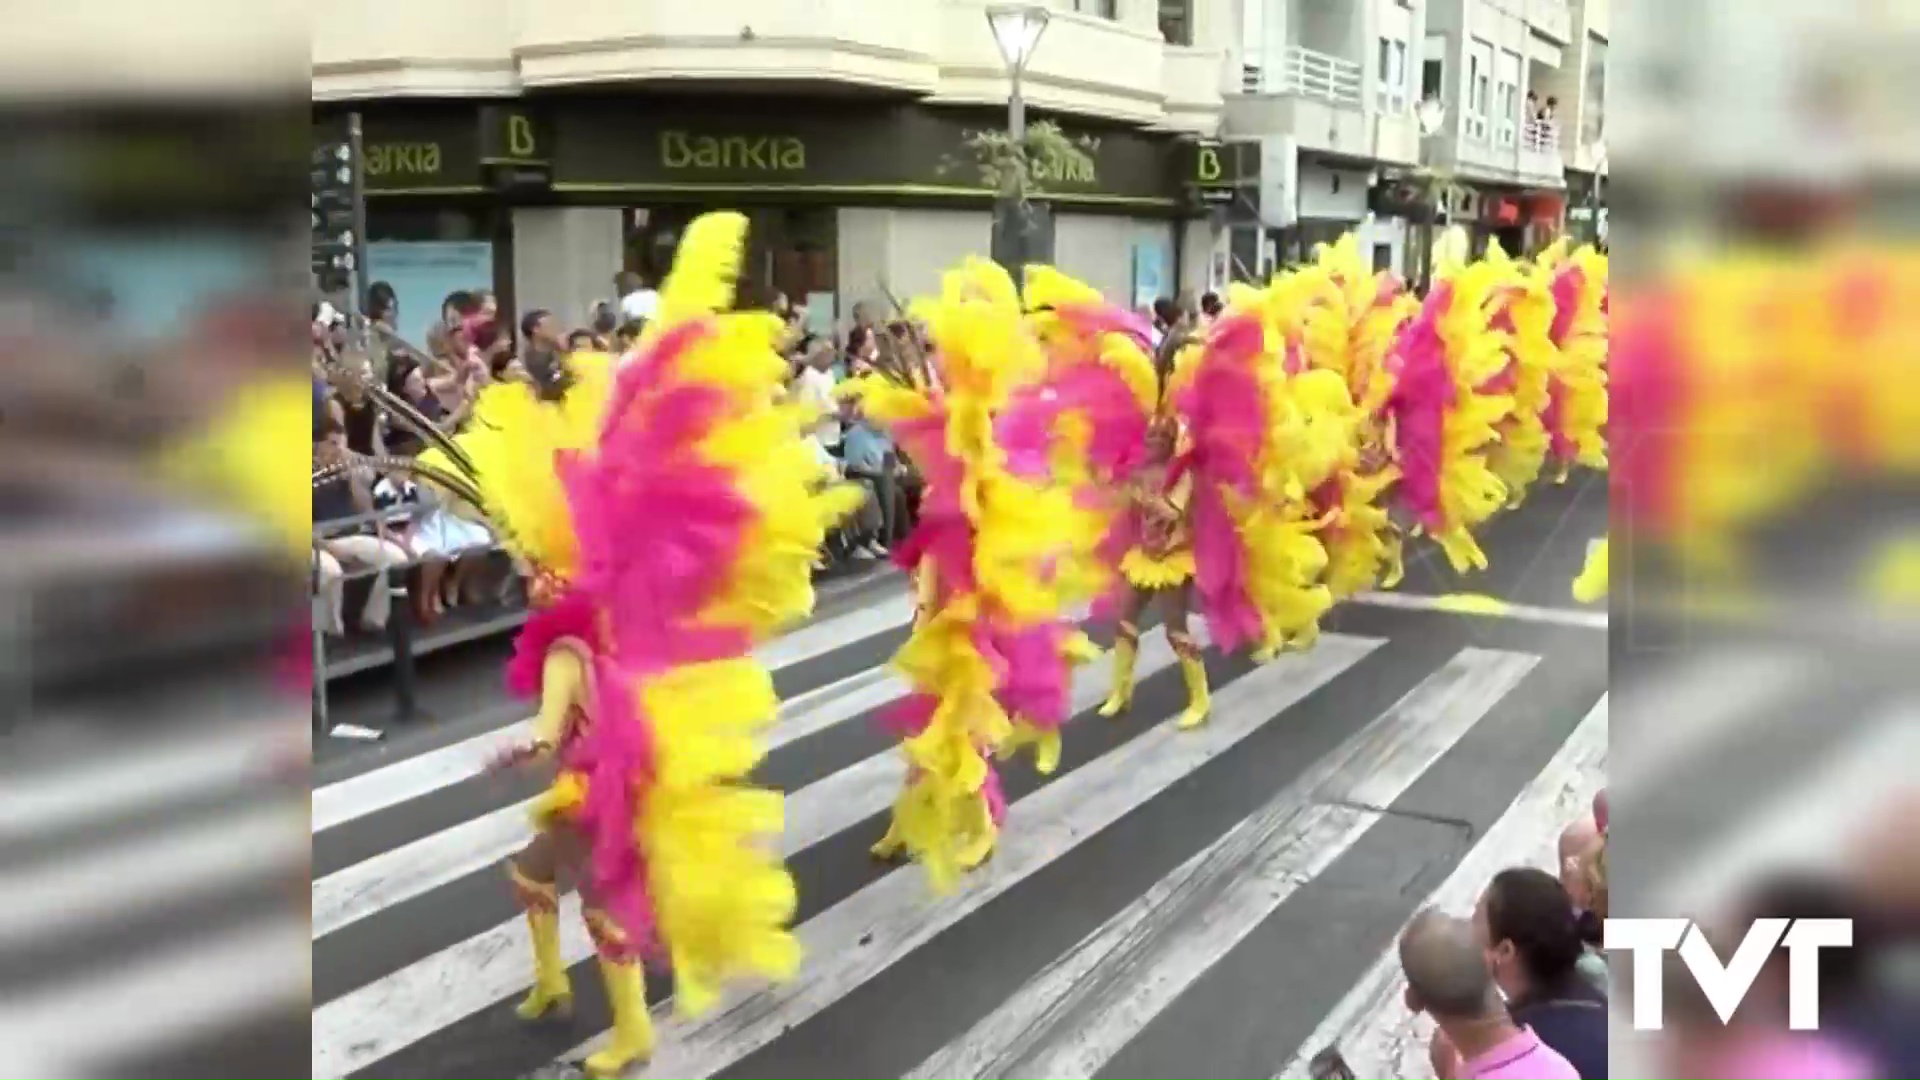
(1016, 30)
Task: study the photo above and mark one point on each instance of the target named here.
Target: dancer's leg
(625, 979)
(1174, 608)
(1126, 647)
(532, 873)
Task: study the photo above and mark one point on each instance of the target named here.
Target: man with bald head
(1447, 978)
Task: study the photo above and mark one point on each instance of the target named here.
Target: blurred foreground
(153, 813)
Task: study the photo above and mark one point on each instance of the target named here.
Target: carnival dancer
(987, 557)
(668, 516)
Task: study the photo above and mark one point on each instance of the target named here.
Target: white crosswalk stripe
(1069, 975)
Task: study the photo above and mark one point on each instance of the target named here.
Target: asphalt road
(1202, 903)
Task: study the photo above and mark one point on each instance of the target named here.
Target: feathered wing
(697, 510)
(1523, 311)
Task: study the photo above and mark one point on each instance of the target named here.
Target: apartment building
(1509, 75)
(1319, 120)
(546, 144)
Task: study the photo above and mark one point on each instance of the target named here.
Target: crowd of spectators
(1519, 988)
(374, 522)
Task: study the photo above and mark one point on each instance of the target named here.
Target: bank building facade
(544, 145)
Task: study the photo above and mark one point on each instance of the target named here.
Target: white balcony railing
(1298, 72)
(1540, 137)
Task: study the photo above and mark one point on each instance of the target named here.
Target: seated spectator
(361, 546)
(407, 381)
(447, 545)
(870, 459)
(1526, 925)
(1447, 978)
(580, 341)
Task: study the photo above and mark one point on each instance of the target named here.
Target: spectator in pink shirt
(1447, 978)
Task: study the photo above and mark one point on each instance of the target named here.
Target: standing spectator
(639, 302)
(580, 341)
(539, 329)
(1526, 924)
(606, 319)
(383, 305)
(1447, 978)
(407, 381)
(1210, 308)
(366, 545)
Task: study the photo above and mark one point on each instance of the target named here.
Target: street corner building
(540, 148)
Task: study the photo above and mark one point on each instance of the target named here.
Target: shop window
(404, 220)
(792, 251)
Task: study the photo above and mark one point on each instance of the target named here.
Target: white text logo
(1726, 984)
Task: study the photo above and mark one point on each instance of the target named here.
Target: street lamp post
(1593, 193)
(1432, 116)
(1016, 31)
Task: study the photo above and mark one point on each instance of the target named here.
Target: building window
(1479, 88)
(1506, 99)
(1106, 9)
(1391, 95)
(1176, 21)
(1433, 70)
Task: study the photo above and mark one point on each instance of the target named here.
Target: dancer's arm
(563, 682)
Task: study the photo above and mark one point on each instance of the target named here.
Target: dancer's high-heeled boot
(1126, 647)
(552, 992)
(1195, 675)
(983, 835)
(632, 1040)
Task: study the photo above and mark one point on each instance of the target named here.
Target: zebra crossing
(1168, 902)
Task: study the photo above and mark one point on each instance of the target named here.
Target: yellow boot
(890, 845)
(1195, 675)
(551, 991)
(632, 1040)
(983, 835)
(1126, 647)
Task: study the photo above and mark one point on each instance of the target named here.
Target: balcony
(1316, 98)
(1304, 73)
(1551, 19)
(1539, 156)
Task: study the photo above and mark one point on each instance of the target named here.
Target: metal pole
(355, 147)
(400, 633)
(1017, 213)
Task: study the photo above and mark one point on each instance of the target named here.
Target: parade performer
(1446, 408)
(1158, 562)
(668, 516)
(989, 652)
(1337, 315)
(1575, 417)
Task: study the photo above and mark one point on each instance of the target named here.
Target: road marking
(1486, 607)
(409, 779)
(130, 781)
(361, 1027)
(88, 888)
(401, 873)
(871, 930)
(1073, 1017)
(1371, 1025)
(156, 1001)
